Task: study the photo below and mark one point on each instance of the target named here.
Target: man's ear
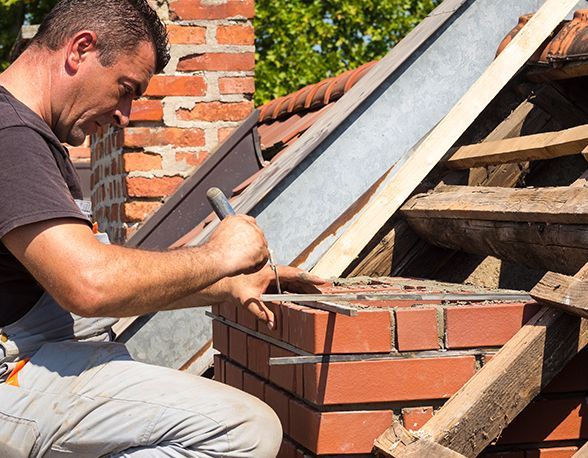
(78, 48)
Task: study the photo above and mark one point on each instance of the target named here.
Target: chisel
(222, 207)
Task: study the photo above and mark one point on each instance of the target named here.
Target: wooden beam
(496, 394)
(557, 247)
(519, 149)
(561, 205)
(415, 166)
(567, 293)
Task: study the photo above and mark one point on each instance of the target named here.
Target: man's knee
(260, 435)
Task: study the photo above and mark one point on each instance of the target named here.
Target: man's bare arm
(92, 279)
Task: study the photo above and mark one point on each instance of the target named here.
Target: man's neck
(28, 79)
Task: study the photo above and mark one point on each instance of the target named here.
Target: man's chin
(75, 137)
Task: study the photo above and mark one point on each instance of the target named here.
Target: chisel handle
(219, 203)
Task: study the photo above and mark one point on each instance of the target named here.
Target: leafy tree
(15, 13)
(300, 42)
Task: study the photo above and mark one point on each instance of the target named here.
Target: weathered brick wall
(339, 408)
(202, 95)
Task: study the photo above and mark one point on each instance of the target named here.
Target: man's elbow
(89, 298)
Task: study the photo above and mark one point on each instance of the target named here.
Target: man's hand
(240, 244)
(245, 290)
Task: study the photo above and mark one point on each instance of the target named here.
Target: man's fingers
(260, 310)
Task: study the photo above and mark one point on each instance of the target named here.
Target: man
(78, 394)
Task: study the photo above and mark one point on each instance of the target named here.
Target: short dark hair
(120, 25)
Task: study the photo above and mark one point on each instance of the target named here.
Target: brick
(193, 159)
(228, 311)
(238, 346)
(283, 376)
(235, 35)
(216, 111)
(246, 318)
(183, 85)
(243, 61)
(548, 420)
(138, 211)
(147, 110)
(253, 385)
(220, 337)
(139, 137)
(319, 332)
(234, 85)
(219, 368)
(141, 161)
(573, 377)
(152, 187)
(417, 329)
(485, 325)
(415, 417)
(279, 402)
(287, 450)
(386, 380)
(81, 152)
(233, 375)
(258, 353)
(186, 35)
(224, 132)
(552, 452)
(336, 432)
(200, 9)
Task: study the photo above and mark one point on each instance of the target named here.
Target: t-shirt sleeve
(32, 188)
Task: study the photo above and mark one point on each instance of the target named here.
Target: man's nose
(121, 119)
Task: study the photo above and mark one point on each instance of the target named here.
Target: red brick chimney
(203, 94)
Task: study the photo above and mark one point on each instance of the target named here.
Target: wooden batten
(519, 149)
(567, 293)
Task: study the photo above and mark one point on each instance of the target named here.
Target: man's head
(102, 54)
(120, 26)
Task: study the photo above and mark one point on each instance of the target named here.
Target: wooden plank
(496, 394)
(561, 205)
(539, 246)
(519, 149)
(567, 293)
(419, 162)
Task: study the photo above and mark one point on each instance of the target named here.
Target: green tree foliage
(300, 42)
(15, 13)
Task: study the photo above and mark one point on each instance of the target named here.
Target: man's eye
(127, 90)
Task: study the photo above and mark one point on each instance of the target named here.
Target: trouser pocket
(19, 437)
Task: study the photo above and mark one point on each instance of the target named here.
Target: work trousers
(81, 395)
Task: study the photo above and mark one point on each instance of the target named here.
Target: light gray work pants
(81, 395)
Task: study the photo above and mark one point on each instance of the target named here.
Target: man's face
(103, 95)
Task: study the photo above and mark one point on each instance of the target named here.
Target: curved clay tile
(337, 88)
(300, 100)
(282, 107)
(358, 73)
(266, 111)
(522, 22)
(571, 43)
(315, 97)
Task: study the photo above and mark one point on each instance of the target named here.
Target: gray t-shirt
(38, 182)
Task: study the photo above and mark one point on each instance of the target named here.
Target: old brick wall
(339, 408)
(202, 95)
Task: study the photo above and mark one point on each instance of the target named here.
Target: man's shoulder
(13, 114)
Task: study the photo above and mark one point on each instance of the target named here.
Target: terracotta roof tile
(569, 42)
(312, 97)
